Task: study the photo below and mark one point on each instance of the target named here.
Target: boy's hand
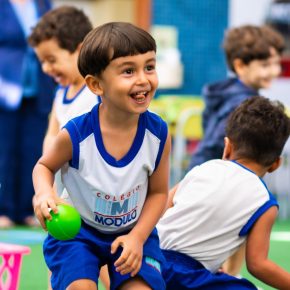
(43, 205)
(130, 260)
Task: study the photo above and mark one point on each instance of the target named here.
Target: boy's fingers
(126, 266)
(115, 245)
(52, 205)
(122, 259)
(42, 223)
(136, 268)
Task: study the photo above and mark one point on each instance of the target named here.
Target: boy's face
(259, 74)
(58, 63)
(129, 83)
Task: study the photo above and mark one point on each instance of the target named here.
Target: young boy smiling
(118, 147)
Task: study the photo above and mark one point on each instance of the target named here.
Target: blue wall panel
(201, 26)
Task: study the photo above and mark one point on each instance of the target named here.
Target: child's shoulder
(154, 123)
(82, 126)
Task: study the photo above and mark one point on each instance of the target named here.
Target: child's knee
(82, 284)
(135, 283)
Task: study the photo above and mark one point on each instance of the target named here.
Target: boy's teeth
(140, 93)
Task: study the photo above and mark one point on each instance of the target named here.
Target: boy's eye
(50, 60)
(128, 71)
(150, 67)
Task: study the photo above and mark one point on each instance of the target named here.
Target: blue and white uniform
(67, 109)
(109, 194)
(215, 206)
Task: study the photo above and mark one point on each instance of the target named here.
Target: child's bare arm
(52, 131)
(131, 257)
(257, 249)
(171, 196)
(43, 176)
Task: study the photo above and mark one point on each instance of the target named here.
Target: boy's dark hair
(250, 43)
(110, 41)
(66, 24)
(258, 129)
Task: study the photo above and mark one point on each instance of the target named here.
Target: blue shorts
(183, 273)
(82, 257)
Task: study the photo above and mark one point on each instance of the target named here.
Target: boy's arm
(171, 196)
(52, 130)
(52, 160)
(130, 259)
(257, 249)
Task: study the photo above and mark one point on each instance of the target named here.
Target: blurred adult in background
(26, 96)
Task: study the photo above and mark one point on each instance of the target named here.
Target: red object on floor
(10, 265)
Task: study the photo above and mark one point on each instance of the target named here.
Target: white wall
(101, 11)
(247, 12)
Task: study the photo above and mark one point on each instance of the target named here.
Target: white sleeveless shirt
(110, 194)
(215, 206)
(66, 109)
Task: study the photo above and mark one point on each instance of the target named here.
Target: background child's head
(110, 41)
(258, 130)
(57, 40)
(67, 25)
(253, 53)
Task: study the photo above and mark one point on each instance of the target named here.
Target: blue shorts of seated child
(184, 273)
(82, 257)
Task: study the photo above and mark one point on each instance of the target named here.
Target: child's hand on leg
(130, 260)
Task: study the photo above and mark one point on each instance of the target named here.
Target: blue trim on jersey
(79, 128)
(271, 202)
(270, 193)
(65, 100)
(247, 227)
(236, 162)
(138, 140)
(158, 128)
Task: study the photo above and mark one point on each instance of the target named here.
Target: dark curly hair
(258, 129)
(250, 43)
(67, 24)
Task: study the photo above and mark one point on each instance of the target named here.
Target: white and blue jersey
(67, 109)
(215, 207)
(110, 194)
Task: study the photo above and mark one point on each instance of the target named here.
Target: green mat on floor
(34, 271)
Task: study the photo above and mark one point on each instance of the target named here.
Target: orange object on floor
(10, 265)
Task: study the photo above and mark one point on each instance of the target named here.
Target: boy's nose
(142, 78)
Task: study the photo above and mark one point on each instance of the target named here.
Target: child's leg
(48, 282)
(104, 277)
(234, 264)
(135, 283)
(149, 276)
(83, 284)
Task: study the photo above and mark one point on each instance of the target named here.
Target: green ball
(64, 225)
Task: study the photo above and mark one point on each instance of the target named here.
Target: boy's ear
(228, 149)
(94, 85)
(275, 165)
(238, 65)
(79, 47)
